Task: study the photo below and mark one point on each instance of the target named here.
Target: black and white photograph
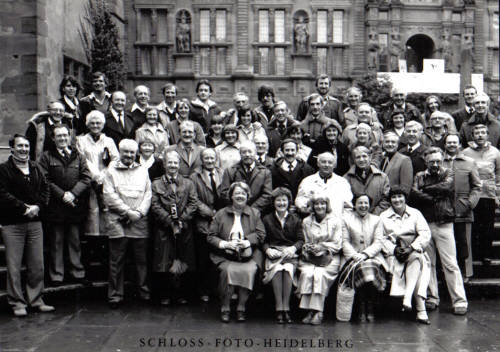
(249, 175)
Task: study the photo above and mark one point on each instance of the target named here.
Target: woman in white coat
(320, 261)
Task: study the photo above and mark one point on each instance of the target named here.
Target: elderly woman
(247, 126)
(366, 115)
(362, 235)
(99, 150)
(148, 158)
(173, 204)
(433, 104)
(406, 235)
(236, 234)
(153, 131)
(182, 114)
(284, 239)
(364, 137)
(320, 260)
(229, 150)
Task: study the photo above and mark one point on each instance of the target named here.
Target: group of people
(220, 203)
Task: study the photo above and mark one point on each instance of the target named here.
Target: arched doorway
(418, 48)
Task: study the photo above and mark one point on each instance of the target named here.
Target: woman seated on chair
(406, 235)
(362, 235)
(236, 234)
(320, 260)
(284, 239)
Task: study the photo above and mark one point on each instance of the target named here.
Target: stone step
(484, 282)
(494, 262)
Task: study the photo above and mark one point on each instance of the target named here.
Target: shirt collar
(116, 114)
(412, 148)
(137, 107)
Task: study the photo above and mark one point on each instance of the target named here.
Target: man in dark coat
(398, 96)
(138, 110)
(288, 171)
(414, 149)
(24, 194)
(481, 116)
(255, 175)
(69, 179)
(466, 112)
(119, 125)
(99, 98)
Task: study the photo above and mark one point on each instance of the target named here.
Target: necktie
(290, 167)
(214, 186)
(122, 121)
(385, 163)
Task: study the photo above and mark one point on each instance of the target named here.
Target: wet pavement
(83, 322)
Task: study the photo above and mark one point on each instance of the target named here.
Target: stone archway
(418, 48)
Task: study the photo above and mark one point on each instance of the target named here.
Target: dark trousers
(483, 229)
(463, 242)
(117, 254)
(61, 235)
(204, 271)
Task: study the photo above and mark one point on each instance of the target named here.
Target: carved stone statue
(183, 32)
(468, 40)
(301, 35)
(395, 49)
(446, 51)
(373, 47)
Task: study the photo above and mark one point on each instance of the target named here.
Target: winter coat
(207, 203)
(290, 180)
(399, 169)
(203, 113)
(71, 175)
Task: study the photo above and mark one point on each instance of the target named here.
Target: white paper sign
(433, 66)
(402, 66)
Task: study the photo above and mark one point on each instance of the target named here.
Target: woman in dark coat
(147, 158)
(173, 204)
(69, 90)
(284, 239)
(329, 141)
(236, 234)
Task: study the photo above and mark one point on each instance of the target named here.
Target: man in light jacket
(127, 194)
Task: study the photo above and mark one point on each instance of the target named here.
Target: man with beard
(166, 109)
(395, 165)
(465, 113)
(255, 175)
(188, 150)
(41, 125)
(119, 125)
(467, 193)
(325, 182)
(487, 161)
(24, 193)
(331, 107)
(481, 116)
(288, 171)
(414, 149)
(398, 96)
(127, 195)
(433, 192)
(138, 110)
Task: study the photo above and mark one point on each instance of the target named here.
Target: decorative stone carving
(183, 32)
(395, 49)
(301, 32)
(468, 40)
(373, 49)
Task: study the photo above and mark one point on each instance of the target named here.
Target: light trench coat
(411, 222)
(328, 233)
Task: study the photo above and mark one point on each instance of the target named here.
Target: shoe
(225, 316)
(487, 261)
(182, 301)
(81, 280)
(279, 317)
(317, 319)
(286, 316)
(430, 306)
(205, 298)
(406, 308)
(307, 319)
(370, 314)
(241, 316)
(460, 310)
(466, 280)
(423, 321)
(114, 304)
(45, 308)
(165, 302)
(20, 312)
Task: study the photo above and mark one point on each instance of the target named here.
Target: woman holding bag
(236, 234)
(320, 260)
(284, 239)
(406, 235)
(362, 235)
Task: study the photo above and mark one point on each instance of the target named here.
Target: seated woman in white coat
(320, 261)
(406, 235)
(362, 235)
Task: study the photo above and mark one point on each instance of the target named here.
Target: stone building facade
(241, 44)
